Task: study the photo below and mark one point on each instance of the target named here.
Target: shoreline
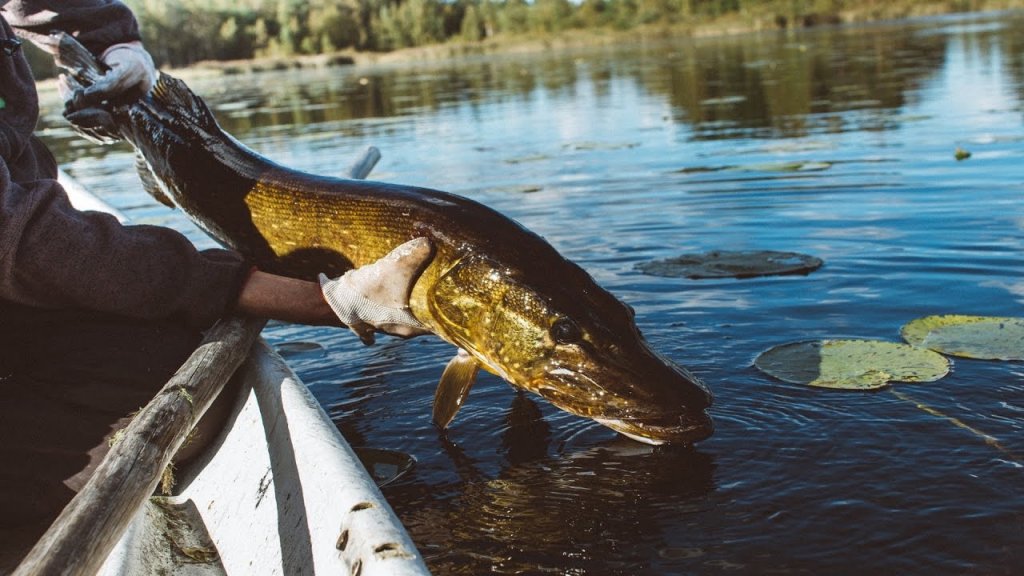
(727, 25)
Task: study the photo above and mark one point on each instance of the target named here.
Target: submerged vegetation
(183, 32)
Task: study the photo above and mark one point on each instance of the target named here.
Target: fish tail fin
(178, 97)
(77, 60)
(169, 91)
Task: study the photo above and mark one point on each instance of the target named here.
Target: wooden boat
(279, 492)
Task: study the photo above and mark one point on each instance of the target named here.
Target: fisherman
(96, 316)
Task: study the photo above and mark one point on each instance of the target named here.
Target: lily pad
(851, 364)
(788, 167)
(777, 167)
(385, 466)
(982, 337)
(725, 264)
(301, 350)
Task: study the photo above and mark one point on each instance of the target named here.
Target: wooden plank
(87, 529)
(82, 536)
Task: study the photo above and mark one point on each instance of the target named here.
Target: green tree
(514, 17)
(472, 24)
(550, 16)
(593, 14)
(293, 17)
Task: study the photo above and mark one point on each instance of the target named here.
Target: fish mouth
(682, 429)
(637, 413)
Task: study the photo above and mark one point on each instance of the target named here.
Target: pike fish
(502, 295)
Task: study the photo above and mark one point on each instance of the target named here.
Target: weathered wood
(81, 538)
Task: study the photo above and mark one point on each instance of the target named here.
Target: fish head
(559, 334)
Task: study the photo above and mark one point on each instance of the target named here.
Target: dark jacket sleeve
(54, 256)
(98, 24)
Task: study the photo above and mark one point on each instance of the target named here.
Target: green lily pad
(385, 466)
(723, 264)
(776, 167)
(788, 167)
(301, 350)
(851, 364)
(982, 337)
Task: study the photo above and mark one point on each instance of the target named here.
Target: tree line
(182, 32)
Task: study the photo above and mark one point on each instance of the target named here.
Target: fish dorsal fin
(149, 181)
(177, 96)
(458, 378)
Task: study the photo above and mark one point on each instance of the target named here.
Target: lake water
(838, 143)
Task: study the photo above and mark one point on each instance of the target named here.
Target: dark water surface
(837, 143)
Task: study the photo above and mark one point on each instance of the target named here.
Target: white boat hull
(280, 492)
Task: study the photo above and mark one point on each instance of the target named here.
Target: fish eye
(565, 331)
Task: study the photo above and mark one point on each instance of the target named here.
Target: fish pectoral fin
(149, 181)
(458, 378)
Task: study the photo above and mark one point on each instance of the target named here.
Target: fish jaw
(685, 432)
(640, 394)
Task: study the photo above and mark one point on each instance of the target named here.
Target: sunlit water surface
(837, 143)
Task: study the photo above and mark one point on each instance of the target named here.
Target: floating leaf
(516, 189)
(721, 264)
(300, 350)
(585, 146)
(776, 167)
(787, 167)
(385, 466)
(525, 159)
(961, 154)
(851, 364)
(983, 337)
(724, 100)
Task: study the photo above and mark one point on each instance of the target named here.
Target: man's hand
(376, 296)
(131, 74)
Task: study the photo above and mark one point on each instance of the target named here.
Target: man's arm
(369, 299)
(282, 298)
(98, 24)
(107, 28)
(53, 256)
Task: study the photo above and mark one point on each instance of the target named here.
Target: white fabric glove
(376, 296)
(131, 74)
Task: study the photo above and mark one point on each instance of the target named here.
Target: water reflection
(762, 85)
(526, 435)
(599, 510)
